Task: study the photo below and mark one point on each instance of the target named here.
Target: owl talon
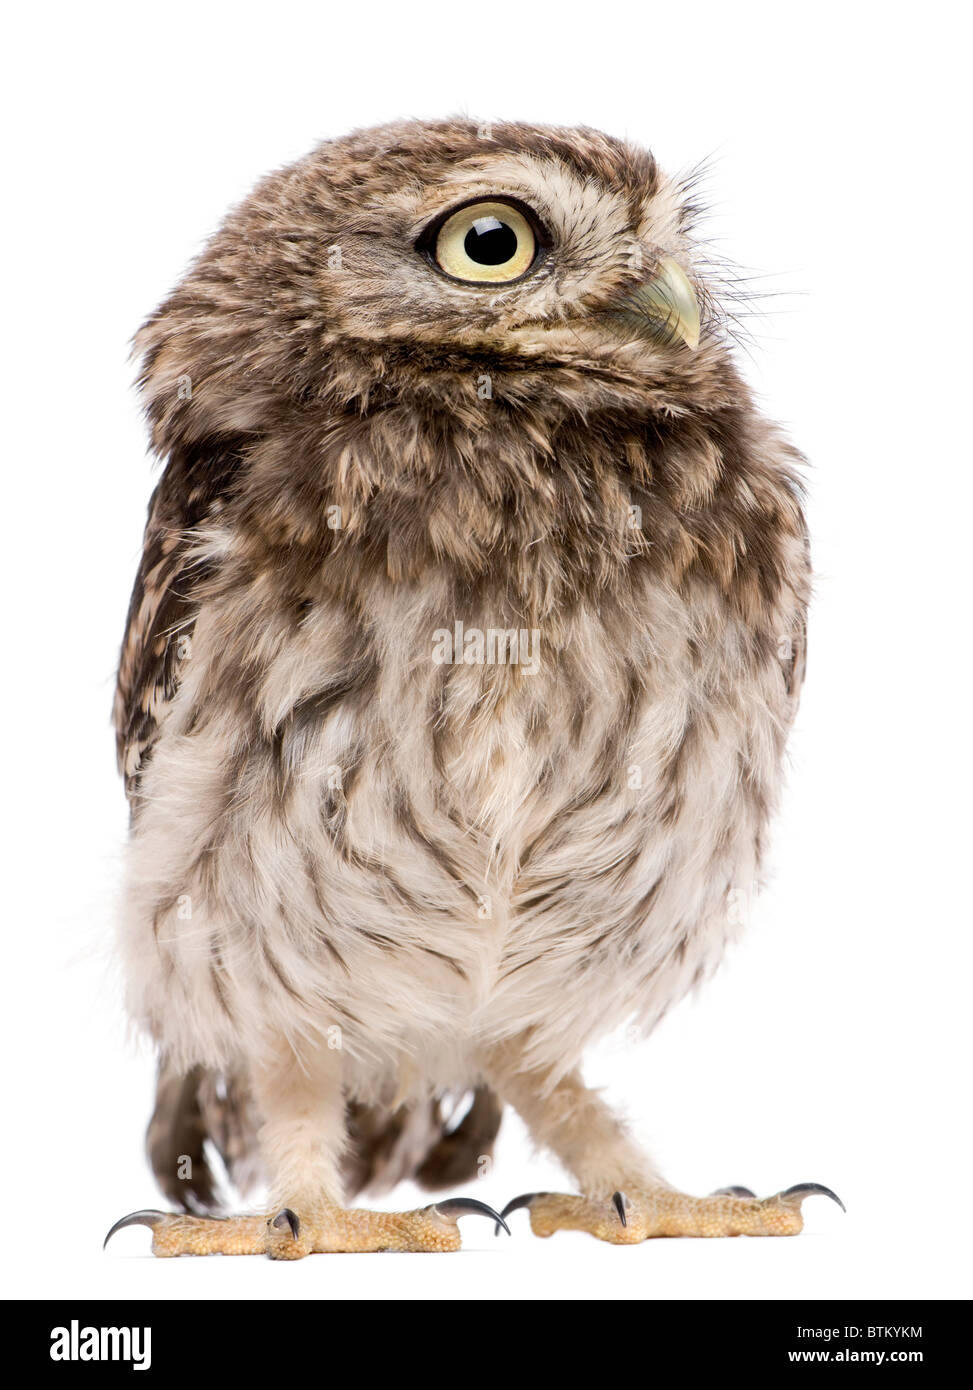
(146, 1217)
(515, 1204)
(464, 1206)
(794, 1196)
(733, 1191)
(618, 1202)
(286, 1217)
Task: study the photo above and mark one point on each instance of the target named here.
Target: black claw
(458, 1206)
(618, 1202)
(810, 1189)
(515, 1204)
(733, 1192)
(286, 1217)
(146, 1217)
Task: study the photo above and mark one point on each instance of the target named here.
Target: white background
(834, 1045)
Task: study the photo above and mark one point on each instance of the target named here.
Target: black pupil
(490, 242)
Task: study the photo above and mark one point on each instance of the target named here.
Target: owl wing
(162, 612)
(795, 667)
(796, 663)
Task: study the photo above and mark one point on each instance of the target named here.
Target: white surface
(834, 1046)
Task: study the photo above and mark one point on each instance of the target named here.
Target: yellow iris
(487, 243)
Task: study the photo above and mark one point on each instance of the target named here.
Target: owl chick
(466, 639)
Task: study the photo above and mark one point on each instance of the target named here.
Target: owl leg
(302, 1139)
(622, 1198)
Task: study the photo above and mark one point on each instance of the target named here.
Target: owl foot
(292, 1233)
(628, 1219)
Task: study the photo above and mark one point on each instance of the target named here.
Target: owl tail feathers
(204, 1120)
(198, 1116)
(422, 1142)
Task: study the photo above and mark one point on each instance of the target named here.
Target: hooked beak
(664, 306)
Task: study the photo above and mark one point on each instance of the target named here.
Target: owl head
(428, 264)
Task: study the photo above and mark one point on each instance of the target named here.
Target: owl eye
(485, 243)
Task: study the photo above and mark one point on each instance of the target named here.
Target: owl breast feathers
(469, 626)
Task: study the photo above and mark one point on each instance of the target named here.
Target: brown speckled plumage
(412, 879)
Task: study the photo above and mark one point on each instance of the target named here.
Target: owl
(467, 635)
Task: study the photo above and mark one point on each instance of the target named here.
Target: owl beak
(664, 305)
